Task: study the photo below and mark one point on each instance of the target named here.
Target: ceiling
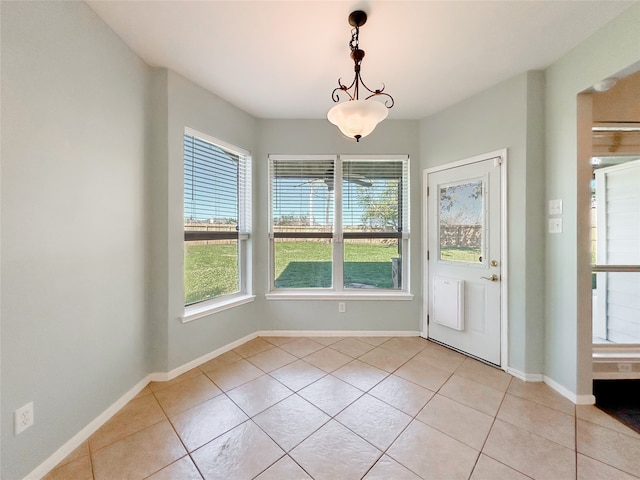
(282, 59)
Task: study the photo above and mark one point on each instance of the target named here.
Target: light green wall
(320, 137)
(189, 105)
(74, 333)
(612, 49)
(91, 198)
(534, 246)
(157, 199)
(177, 103)
(508, 115)
(192, 106)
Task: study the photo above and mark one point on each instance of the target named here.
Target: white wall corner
(163, 377)
(537, 377)
(577, 399)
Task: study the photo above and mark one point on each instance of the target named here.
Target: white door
(464, 264)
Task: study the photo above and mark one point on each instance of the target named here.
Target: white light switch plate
(555, 207)
(555, 225)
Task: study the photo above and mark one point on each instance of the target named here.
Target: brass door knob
(493, 278)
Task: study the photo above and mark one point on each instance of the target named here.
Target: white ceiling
(282, 59)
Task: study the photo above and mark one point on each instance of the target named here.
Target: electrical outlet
(342, 307)
(23, 418)
(624, 367)
(555, 225)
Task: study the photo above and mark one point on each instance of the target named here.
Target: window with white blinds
(375, 196)
(339, 222)
(302, 196)
(216, 218)
(375, 221)
(302, 221)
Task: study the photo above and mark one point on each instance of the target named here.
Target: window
(616, 249)
(217, 191)
(461, 222)
(339, 224)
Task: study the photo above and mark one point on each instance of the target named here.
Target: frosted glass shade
(357, 118)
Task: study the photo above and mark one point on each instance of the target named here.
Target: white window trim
(215, 305)
(330, 294)
(244, 296)
(220, 143)
(337, 292)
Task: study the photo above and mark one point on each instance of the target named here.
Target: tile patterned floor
(282, 408)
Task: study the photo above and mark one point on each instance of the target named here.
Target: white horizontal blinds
(622, 213)
(618, 205)
(211, 181)
(244, 194)
(375, 197)
(302, 197)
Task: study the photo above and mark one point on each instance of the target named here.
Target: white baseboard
(577, 399)
(84, 434)
(525, 377)
(538, 377)
(164, 377)
(336, 333)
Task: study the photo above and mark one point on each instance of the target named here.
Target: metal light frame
(356, 20)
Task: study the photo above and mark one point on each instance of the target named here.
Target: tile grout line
(493, 422)
(286, 453)
(413, 418)
(91, 452)
(223, 392)
(178, 435)
(333, 417)
(327, 374)
(444, 433)
(632, 437)
(93, 473)
(575, 433)
(610, 466)
(294, 392)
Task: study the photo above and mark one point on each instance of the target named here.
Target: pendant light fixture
(357, 118)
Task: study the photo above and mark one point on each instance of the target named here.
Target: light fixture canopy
(358, 118)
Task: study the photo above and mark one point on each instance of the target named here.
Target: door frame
(504, 272)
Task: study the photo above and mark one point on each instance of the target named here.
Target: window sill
(195, 312)
(614, 353)
(332, 295)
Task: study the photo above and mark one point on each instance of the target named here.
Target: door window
(461, 226)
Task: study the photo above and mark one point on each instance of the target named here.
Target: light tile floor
(281, 408)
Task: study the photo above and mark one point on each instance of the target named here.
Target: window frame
(243, 235)
(338, 291)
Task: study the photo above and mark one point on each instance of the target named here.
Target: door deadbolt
(494, 263)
